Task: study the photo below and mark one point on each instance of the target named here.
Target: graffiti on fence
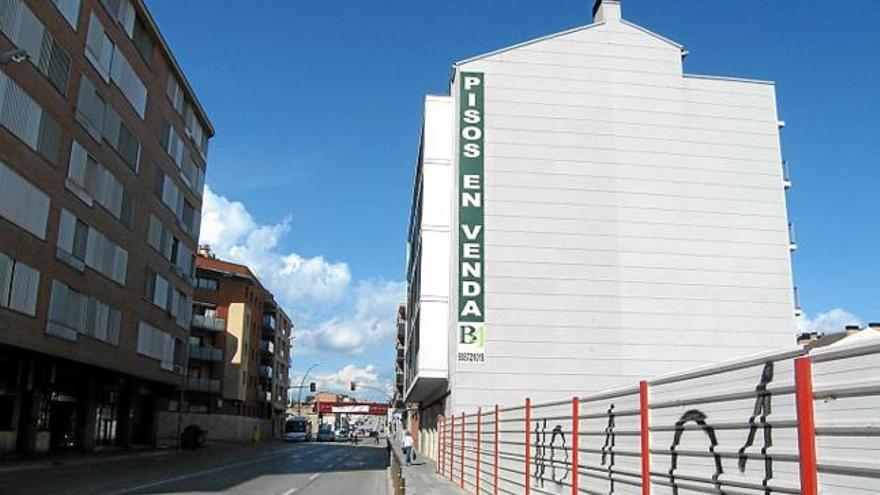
(558, 454)
(608, 447)
(757, 420)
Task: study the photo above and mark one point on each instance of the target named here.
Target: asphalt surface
(268, 468)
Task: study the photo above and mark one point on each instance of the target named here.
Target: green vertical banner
(471, 328)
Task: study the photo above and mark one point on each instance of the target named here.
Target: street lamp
(301, 384)
(13, 57)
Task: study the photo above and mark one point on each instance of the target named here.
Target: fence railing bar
(611, 394)
(726, 397)
(716, 369)
(864, 388)
(831, 354)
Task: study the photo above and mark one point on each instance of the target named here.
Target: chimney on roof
(606, 11)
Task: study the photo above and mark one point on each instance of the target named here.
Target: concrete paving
(268, 468)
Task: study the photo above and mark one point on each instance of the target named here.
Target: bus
(297, 429)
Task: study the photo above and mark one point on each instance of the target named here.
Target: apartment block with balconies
(103, 148)
(238, 352)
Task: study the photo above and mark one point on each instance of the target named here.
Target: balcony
(202, 385)
(267, 347)
(264, 395)
(205, 353)
(210, 323)
(265, 372)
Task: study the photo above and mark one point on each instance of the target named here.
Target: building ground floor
(223, 419)
(53, 404)
(421, 419)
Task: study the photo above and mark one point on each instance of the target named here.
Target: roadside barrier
(781, 423)
(398, 481)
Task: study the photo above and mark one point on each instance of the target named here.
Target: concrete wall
(221, 427)
(635, 218)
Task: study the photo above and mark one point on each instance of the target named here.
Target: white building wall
(434, 227)
(635, 218)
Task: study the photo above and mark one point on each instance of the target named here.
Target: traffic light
(312, 387)
(353, 386)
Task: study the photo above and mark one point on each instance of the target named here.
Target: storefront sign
(471, 329)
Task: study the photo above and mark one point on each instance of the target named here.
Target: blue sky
(317, 107)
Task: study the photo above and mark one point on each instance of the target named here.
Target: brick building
(239, 351)
(103, 149)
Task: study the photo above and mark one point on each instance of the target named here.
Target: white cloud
(233, 235)
(372, 322)
(832, 321)
(339, 380)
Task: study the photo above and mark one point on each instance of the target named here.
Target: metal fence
(783, 423)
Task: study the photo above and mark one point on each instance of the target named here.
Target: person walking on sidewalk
(407, 447)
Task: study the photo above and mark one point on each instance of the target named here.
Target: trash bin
(193, 437)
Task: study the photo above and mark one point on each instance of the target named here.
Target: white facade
(634, 221)
(426, 368)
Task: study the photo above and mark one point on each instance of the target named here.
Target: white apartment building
(585, 214)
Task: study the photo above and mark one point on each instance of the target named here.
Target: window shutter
(25, 284)
(76, 169)
(66, 231)
(22, 203)
(5, 279)
(120, 265)
(99, 48)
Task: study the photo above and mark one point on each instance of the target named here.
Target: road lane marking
(290, 492)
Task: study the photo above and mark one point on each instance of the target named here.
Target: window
(143, 40)
(207, 284)
(101, 120)
(90, 180)
(90, 109)
(24, 118)
(21, 26)
(113, 66)
(69, 10)
(191, 174)
(156, 344)
(71, 313)
(19, 284)
(175, 93)
(97, 252)
(22, 203)
(157, 290)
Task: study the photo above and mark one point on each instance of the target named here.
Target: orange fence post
(645, 438)
(495, 462)
(479, 441)
(575, 433)
(806, 425)
(528, 425)
(461, 475)
(452, 447)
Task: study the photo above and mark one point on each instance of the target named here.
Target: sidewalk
(421, 478)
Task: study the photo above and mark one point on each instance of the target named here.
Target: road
(269, 468)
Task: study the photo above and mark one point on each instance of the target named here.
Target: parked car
(341, 435)
(325, 434)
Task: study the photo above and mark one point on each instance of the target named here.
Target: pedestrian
(407, 447)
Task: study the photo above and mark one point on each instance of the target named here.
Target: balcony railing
(205, 353)
(211, 323)
(202, 385)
